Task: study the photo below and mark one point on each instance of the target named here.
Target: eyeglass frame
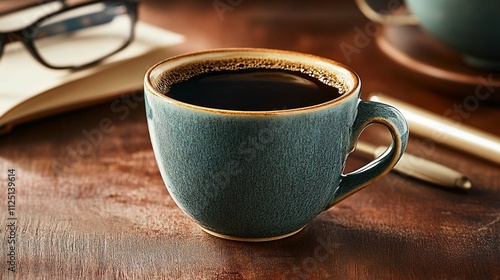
(25, 35)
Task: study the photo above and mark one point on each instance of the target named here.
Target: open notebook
(28, 90)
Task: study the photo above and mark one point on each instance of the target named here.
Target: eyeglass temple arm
(31, 5)
(94, 19)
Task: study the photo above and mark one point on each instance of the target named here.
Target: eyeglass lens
(83, 35)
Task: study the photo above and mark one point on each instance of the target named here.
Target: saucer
(435, 64)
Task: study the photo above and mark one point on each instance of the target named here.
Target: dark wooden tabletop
(101, 210)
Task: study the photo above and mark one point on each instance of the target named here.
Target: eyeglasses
(76, 36)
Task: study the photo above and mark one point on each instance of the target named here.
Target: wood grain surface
(90, 202)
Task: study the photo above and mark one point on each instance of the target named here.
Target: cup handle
(368, 113)
(387, 19)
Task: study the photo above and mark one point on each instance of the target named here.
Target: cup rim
(354, 90)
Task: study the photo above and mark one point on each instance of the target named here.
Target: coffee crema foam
(185, 72)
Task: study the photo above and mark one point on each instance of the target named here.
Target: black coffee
(253, 90)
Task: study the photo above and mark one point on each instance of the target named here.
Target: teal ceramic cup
(262, 175)
(469, 27)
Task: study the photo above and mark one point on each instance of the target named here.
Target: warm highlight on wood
(90, 202)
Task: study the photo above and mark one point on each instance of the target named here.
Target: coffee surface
(253, 90)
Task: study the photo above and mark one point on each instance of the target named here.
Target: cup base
(244, 239)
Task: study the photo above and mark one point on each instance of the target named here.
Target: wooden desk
(91, 204)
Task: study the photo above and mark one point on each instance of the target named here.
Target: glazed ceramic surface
(471, 27)
(263, 175)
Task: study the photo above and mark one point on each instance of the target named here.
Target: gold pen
(445, 131)
(420, 168)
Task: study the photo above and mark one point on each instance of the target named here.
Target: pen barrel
(445, 131)
(428, 171)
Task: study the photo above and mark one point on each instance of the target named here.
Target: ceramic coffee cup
(469, 27)
(262, 175)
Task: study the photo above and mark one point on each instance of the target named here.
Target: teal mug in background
(469, 27)
(262, 175)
